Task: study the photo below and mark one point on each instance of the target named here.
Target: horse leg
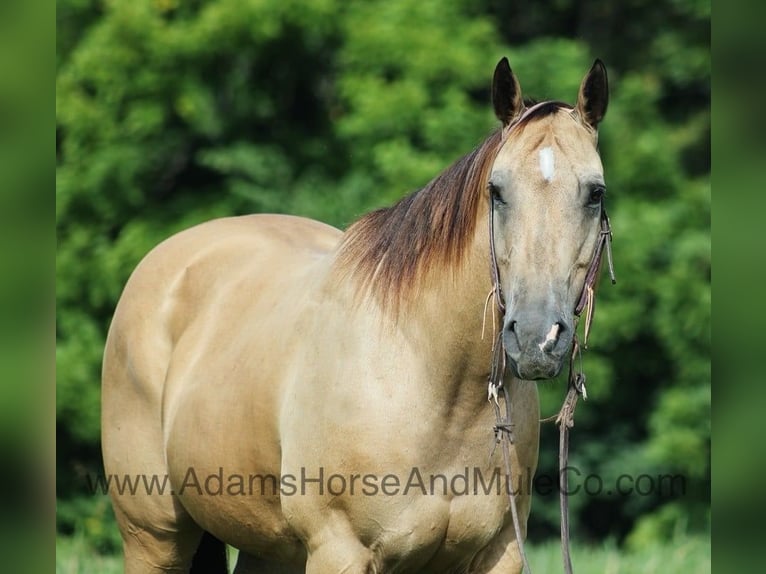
(153, 549)
(158, 534)
(348, 557)
(334, 548)
(502, 555)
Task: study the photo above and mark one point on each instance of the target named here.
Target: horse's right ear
(506, 93)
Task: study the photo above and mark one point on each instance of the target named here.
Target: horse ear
(506, 93)
(594, 95)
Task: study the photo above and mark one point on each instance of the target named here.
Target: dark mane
(389, 249)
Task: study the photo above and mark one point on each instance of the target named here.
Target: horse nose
(536, 345)
(535, 335)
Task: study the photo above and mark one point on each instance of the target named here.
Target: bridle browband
(503, 428)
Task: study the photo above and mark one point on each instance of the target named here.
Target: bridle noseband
(503, 428)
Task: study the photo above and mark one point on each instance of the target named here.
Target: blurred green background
(173, 112)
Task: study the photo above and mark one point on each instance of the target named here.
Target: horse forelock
(390, 250)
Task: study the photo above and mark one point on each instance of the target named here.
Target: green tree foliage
(170, 113)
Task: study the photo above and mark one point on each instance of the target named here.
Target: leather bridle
(503, 428)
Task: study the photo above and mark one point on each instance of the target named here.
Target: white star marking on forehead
(547, 165)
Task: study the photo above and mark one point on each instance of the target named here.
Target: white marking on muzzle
(547, 165)
(551, 336)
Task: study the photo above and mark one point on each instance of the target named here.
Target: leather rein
(503, 428)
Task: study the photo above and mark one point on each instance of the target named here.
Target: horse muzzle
(536, 345)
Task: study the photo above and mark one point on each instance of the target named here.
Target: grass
(686, 555)
(74, 556)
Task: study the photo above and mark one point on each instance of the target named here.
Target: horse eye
(494, 192)
(596, 195)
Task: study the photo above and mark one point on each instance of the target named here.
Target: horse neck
(449, 321)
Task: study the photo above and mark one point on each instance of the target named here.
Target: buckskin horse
(288, 380)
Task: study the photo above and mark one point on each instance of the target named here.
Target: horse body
(235, 313)
(319, 399)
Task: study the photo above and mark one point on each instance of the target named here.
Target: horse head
(545, 190)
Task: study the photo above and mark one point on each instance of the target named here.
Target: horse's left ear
(594, 95)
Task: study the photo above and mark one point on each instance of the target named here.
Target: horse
(317, 399)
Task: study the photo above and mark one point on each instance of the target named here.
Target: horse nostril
(511, 338)
(552, 337)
